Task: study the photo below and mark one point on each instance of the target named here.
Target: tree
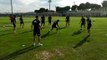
(74, 7)
(36, 11)
(104, 4)
(67, 8)
(87, 5)
(41, 10)
(62, 9)
(95, 6)
(82, 6)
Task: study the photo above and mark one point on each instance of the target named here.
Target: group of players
(83, 23)
(36, 27)
(13, 22)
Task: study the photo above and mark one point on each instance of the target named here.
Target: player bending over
(55, 25)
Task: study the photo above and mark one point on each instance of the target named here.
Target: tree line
(82, 6)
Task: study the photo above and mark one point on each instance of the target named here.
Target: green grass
(57, 45)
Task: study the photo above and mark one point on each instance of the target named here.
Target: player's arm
(40, 27)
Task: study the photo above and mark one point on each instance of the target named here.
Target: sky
(31, 5)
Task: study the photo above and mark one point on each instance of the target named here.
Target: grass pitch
(66, 44)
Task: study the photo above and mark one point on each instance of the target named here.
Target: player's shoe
(34, 44)
(39, 44)
(14, 31)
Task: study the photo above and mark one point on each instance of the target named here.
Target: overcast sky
(31, 5)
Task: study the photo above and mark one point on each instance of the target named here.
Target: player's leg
(14, 27)
(84, 25)
(39, 39)
(11, 22)
(44, 24)
(34, 37)
(89, 31)
(52, 28)
(66, 24)
(20, 25)
(23, 25)
(56, 28)
(41, 24)
(88, 28)
(49, 22)
(81, 26)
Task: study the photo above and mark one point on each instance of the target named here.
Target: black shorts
(43, 22)
(21, 22)
(54, 27)
(49, 21)
(89, 27)
(82, 23)
(36, 32)
(14, 23)
(67, 20)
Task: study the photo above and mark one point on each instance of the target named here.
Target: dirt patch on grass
(59, 52)
(44, 55)
(47, 55)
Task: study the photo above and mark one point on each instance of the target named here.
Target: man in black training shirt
(21, 21)
(55, 25)
(36, 30)
(67, 20)
(82, 22)
(89, 24)
(43, 21)
(49, 20)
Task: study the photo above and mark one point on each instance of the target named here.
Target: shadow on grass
(25, 32)
(16, 53)
(82, 42)
(62, 28)
(5, 34)
(47, 34)
(77, 33)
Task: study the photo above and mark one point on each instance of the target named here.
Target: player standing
(13, 21)
(82, 22)
(89, 24)
(36, 30)
(43, 21)
(67, 20)
(49, 20)
(21, 21)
